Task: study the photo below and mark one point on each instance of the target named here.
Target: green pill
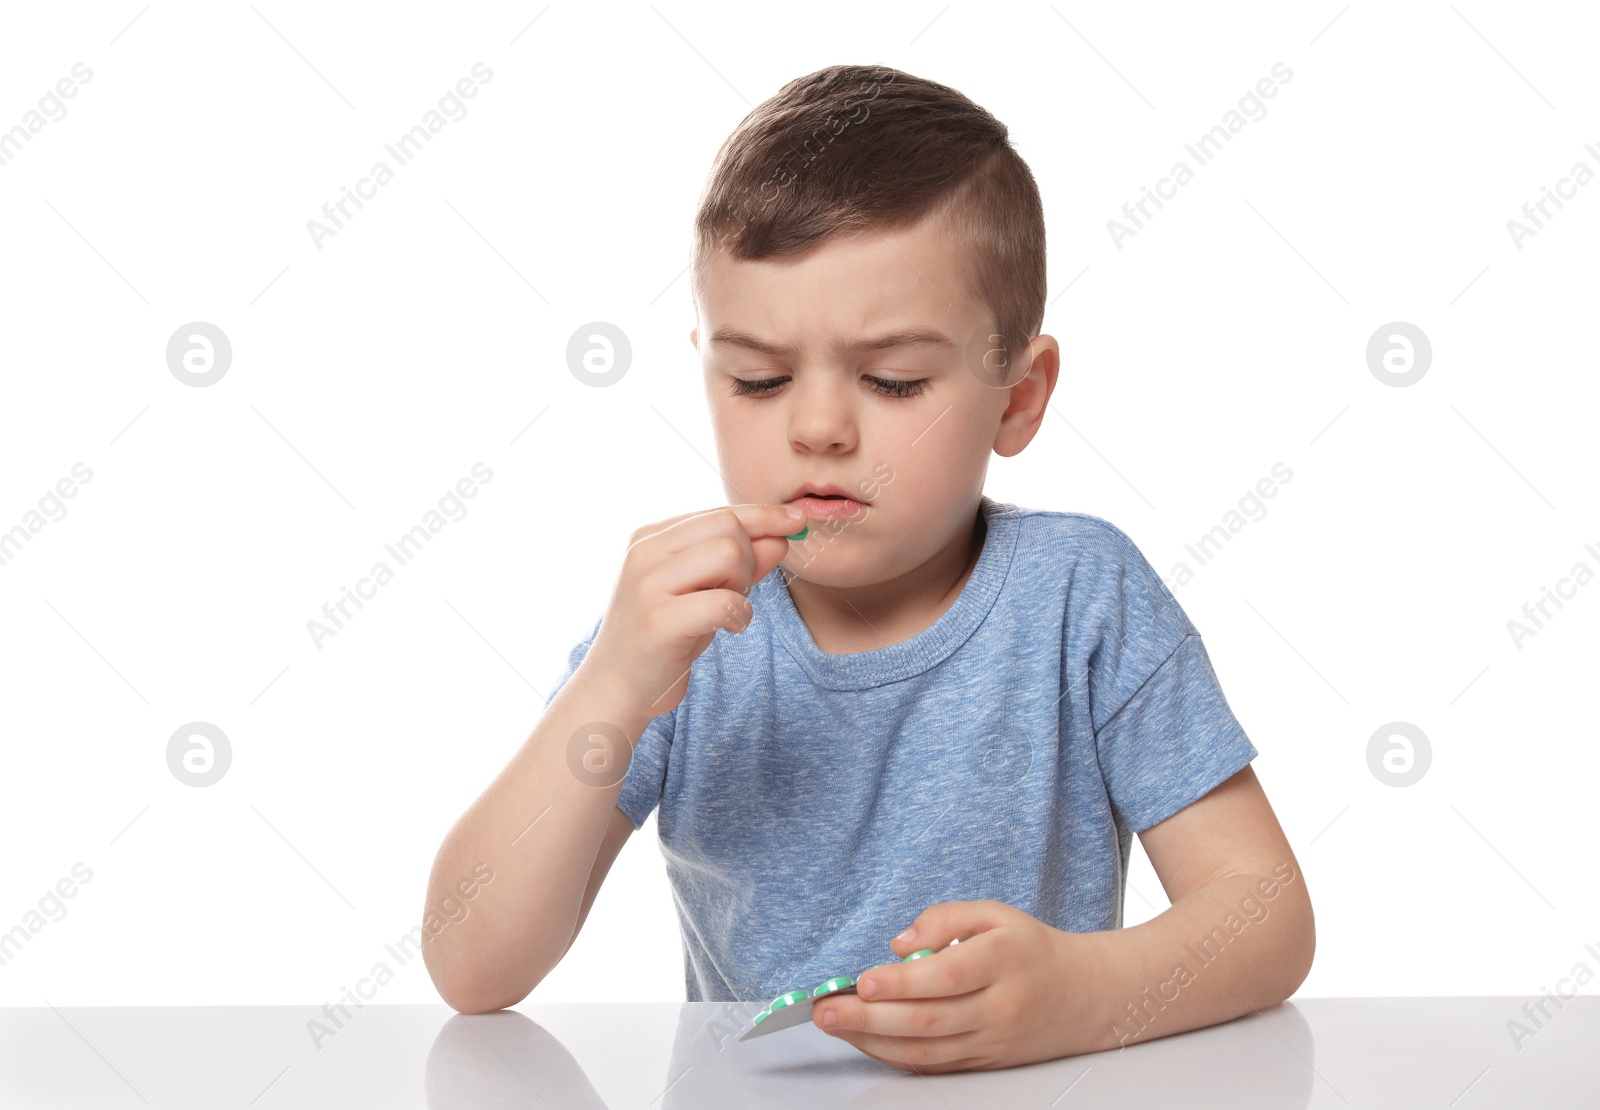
(788, 999)
(838, 983)
(803, 533)
(918, 955)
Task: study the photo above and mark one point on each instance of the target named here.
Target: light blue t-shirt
(812, 805)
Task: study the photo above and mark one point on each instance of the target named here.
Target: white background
(429, 333)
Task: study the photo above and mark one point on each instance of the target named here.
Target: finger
(958, 969)
(657, 527)
(921, 1055)
(754, 521)
(727, 548)
(724, 560)
(781, 521)
(907, 1018)
(943, 922)
(700, 614)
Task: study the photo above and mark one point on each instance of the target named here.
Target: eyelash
(884, 387)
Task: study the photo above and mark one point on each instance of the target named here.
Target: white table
(1451, 1053)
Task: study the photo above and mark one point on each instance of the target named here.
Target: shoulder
(1104, 583)
(1074, 543)
(1083, 530)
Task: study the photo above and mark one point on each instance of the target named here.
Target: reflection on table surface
(1458, 1052)
(711, 1068)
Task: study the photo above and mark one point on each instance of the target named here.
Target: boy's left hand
(1014, 991)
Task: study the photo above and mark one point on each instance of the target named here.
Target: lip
(824, 488)
(824, 508)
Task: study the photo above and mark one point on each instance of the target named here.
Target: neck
(894, 610)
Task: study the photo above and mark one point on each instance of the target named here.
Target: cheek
(746, 445)
(747, 433)
(934, 443)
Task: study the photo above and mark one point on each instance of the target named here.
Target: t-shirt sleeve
(647, 769)
(1165, 735)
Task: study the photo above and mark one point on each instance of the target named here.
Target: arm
(541, 828)
(548, 838)
(1240, 926)
(1018, 991)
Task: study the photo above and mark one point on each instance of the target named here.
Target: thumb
(770, 551)
(944, 922)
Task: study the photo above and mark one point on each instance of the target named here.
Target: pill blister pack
(794, 1007)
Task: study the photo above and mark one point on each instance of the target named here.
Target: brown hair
(852, 148)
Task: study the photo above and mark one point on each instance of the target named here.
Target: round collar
(860, 670)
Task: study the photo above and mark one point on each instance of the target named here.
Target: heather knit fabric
(812, 805)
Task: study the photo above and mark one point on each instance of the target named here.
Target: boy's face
(831, 414)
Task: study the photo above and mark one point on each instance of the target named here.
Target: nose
(822, 413)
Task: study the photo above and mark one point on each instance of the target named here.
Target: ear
(1029, 397)
(694, 338)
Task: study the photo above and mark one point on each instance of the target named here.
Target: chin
(826, 569)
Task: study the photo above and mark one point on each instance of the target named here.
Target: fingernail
(829, 1018)
(868, 989)
(796, 512)
(907, 935)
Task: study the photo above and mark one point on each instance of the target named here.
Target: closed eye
(886, 387)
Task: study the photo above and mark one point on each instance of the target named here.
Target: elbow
(1310, 946)
(469, 991)
(468, 998)
(1301, 951)
(475, 1004)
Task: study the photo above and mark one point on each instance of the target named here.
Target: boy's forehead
(842, 290)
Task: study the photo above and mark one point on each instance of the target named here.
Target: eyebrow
(908, 337)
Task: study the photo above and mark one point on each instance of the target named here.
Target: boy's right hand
(681, 580)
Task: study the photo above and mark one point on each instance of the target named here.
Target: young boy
(866, 697)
